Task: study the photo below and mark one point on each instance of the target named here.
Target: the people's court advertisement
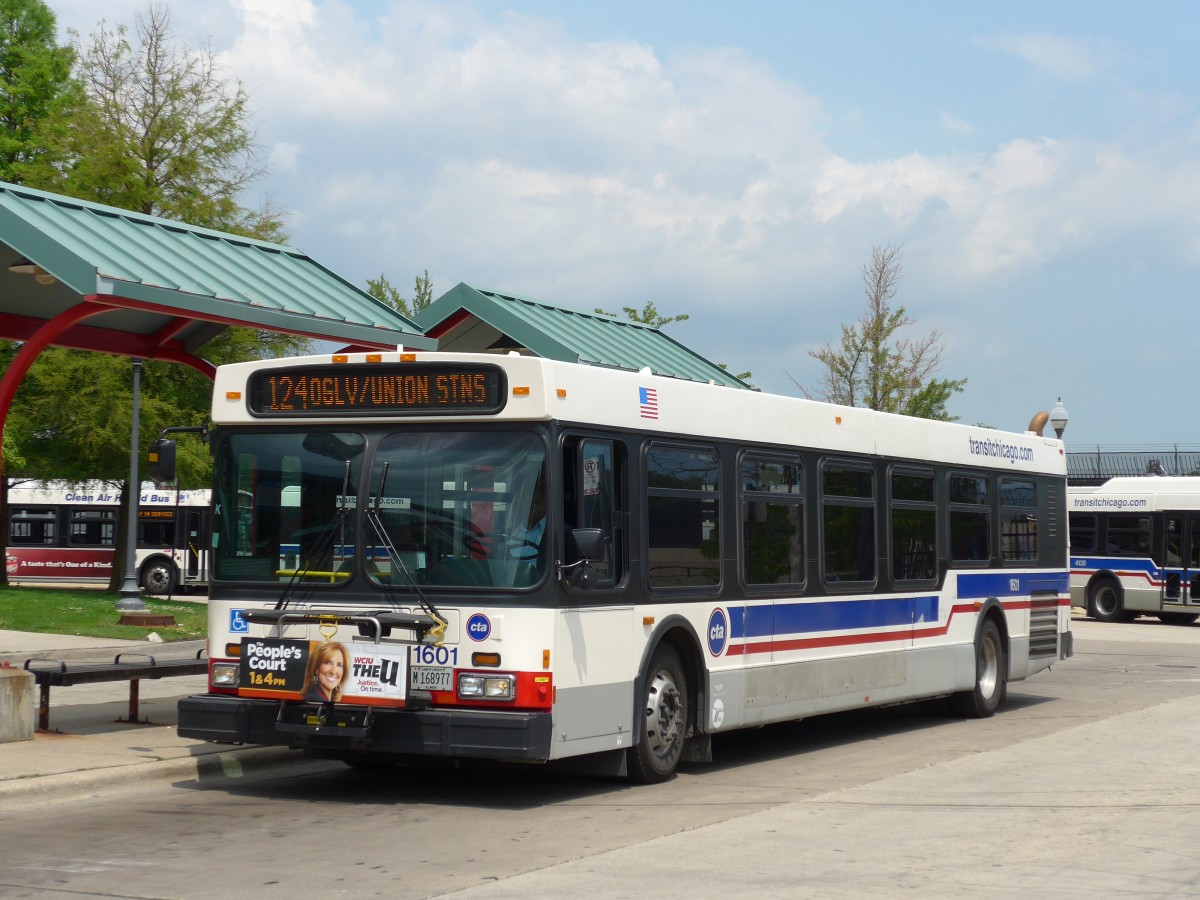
(324, 671)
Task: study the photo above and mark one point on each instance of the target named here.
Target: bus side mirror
(587, 545)
(161, 460)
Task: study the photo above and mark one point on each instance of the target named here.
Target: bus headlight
(486, 687)
(225, 674)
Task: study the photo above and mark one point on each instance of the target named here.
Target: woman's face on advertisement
(330, 671)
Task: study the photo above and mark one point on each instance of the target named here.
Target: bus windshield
(443, 508)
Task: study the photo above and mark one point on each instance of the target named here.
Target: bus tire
(1106, 602)
(158, 576)
(991, 685)
(1177, 618)
(665, 719)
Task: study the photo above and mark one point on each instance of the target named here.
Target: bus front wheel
(664, 719)
(1105, 603)
(991, 685)
(158, 577)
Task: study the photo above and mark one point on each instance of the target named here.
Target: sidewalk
(88, 750)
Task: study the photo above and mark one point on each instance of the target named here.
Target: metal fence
(1097, 465)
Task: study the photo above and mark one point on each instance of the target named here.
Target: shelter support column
(29, 351)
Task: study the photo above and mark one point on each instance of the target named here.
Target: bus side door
(1181, 562)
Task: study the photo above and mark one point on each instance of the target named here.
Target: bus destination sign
(412, 389)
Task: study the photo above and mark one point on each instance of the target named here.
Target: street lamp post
(131, 600)
(1058, 418)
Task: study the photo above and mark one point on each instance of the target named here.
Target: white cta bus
(60, 532)
(506, 557)
(1135, 548)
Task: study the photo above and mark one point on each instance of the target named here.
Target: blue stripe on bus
(857, 614)
(1016, 584)
(770, 620)
(1120, 563)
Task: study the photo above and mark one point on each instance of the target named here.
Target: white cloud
(1073, 59)
(284, 156)
(505, 152)
(955, 124)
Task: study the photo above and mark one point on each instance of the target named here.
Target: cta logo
(479, 627)
(718, 632)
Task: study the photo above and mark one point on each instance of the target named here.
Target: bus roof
(100, 493)
(1137, 492)
(538, 389)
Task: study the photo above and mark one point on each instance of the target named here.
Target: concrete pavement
(88, 750)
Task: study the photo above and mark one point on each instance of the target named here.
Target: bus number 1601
(428, 655)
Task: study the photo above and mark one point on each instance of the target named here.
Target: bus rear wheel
(1105, 603)
(665, 719)
(158, 577)
(991, 685)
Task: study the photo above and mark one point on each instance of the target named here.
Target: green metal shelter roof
(471, 319)
(166, 288)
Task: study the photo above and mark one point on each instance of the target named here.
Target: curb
(209, 769)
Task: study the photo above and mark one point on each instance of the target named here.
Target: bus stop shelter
(93, 277)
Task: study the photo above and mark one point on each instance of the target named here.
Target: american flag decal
(648, 400)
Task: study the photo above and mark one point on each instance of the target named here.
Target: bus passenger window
(32, 525)
(970, 519)
(683, 538)
(848, 523)
(1129, 536)
(772, 521)
(1083, 534)
(914, 526)
(1018, 519)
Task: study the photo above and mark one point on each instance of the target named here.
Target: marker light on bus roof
(341, 358)
(520, 392)
(233, 395)
(374, 357)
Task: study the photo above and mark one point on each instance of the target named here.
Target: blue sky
(1038, 163)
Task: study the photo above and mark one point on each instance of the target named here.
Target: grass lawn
(92, 614)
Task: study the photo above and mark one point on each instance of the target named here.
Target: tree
(158, 130)
(872, 367)
(35, 82)
(649, 315)
(382, 290)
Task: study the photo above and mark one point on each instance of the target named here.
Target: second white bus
(1135, 548)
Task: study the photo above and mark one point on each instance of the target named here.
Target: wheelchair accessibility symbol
(237, 624)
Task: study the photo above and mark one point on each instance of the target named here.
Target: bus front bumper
(489, 734)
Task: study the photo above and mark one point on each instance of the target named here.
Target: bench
(58, 673)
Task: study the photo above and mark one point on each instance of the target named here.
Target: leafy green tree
(160, 130)
(382, 290)
(155, 128)
(873, 367)
(648, 315)
(35, 82)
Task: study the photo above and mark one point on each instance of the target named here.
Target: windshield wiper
(324, 542)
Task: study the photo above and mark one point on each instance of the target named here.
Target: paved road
(1083, 787)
